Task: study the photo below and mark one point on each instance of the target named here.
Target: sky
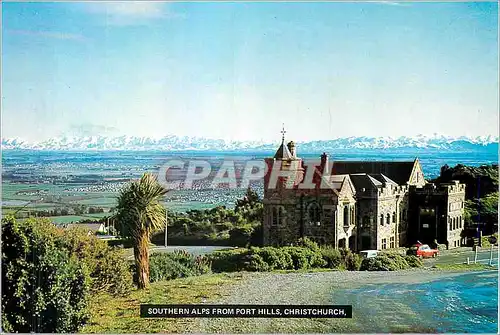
(238, 71)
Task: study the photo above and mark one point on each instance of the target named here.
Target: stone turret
(291, 148)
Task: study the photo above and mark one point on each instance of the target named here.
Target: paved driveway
(451, 257)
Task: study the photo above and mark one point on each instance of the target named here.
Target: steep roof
(337, 181)
(383, 178)
(398, 172)
(283, 152)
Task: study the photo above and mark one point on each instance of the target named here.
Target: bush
(332, 257)
(387, 262)
(305, 258)
(44, 289)
(228, 260)
(108, 268)
(413, 261)
(276, 258)
(254, 262)
(373, 264)
(308, 243)
(241, 236)
(178, 264)
(352, 262)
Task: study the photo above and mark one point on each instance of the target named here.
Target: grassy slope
(121, 314)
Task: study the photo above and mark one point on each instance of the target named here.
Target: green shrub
(305, 258)
(44, 289)
(108, 268)
(386, 262)
(352, 261)
(162, 267)
(308, 243)
(241, 236)
(178, 264)
(276, 258)
(228, 260)
(373, 264)
(396, 261)
(332, 257)
(413, 261)
(255, 262)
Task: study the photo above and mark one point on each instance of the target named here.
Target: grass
(121, 314)
(463, 267)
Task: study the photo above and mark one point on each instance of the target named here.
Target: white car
(369, 253)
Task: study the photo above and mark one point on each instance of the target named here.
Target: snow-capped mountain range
(177, 143)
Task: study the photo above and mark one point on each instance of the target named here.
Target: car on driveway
(422, 251)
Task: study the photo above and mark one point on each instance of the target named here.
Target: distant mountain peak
(184, 143)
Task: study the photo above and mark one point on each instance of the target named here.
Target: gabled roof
(363, 182)
(383, 179)
(337, 181)
(398, 172)
(283, 152)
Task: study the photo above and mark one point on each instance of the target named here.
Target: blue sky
(239, 70)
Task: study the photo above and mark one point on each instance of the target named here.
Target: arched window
(388, 221)
(346, 215)
(281, 216)
(393, 217)
(451, 224)
(275, 216)
(314, 213)
(381, 219)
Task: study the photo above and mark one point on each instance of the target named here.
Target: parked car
(368, 253)
(423, 251)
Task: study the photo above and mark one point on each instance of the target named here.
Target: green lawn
(121, 314)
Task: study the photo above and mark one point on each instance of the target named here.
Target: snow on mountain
(178, 143)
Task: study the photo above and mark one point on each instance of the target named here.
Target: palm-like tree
(138, 214)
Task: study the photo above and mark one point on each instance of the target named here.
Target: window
(278, 216)
(381, 219)
(451, 224)
(392, 242)
(384, 243)
(393, 217)
(314, 213)
(281, 216)
(388, 218)
(274, 216)
(346, 215)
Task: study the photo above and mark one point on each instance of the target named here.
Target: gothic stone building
(365, 205)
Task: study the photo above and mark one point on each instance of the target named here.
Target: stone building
(357, 205)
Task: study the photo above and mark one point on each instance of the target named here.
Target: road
(450, 257)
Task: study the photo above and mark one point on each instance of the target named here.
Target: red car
(423, 251)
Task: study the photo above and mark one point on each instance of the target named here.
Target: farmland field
(75, 182)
